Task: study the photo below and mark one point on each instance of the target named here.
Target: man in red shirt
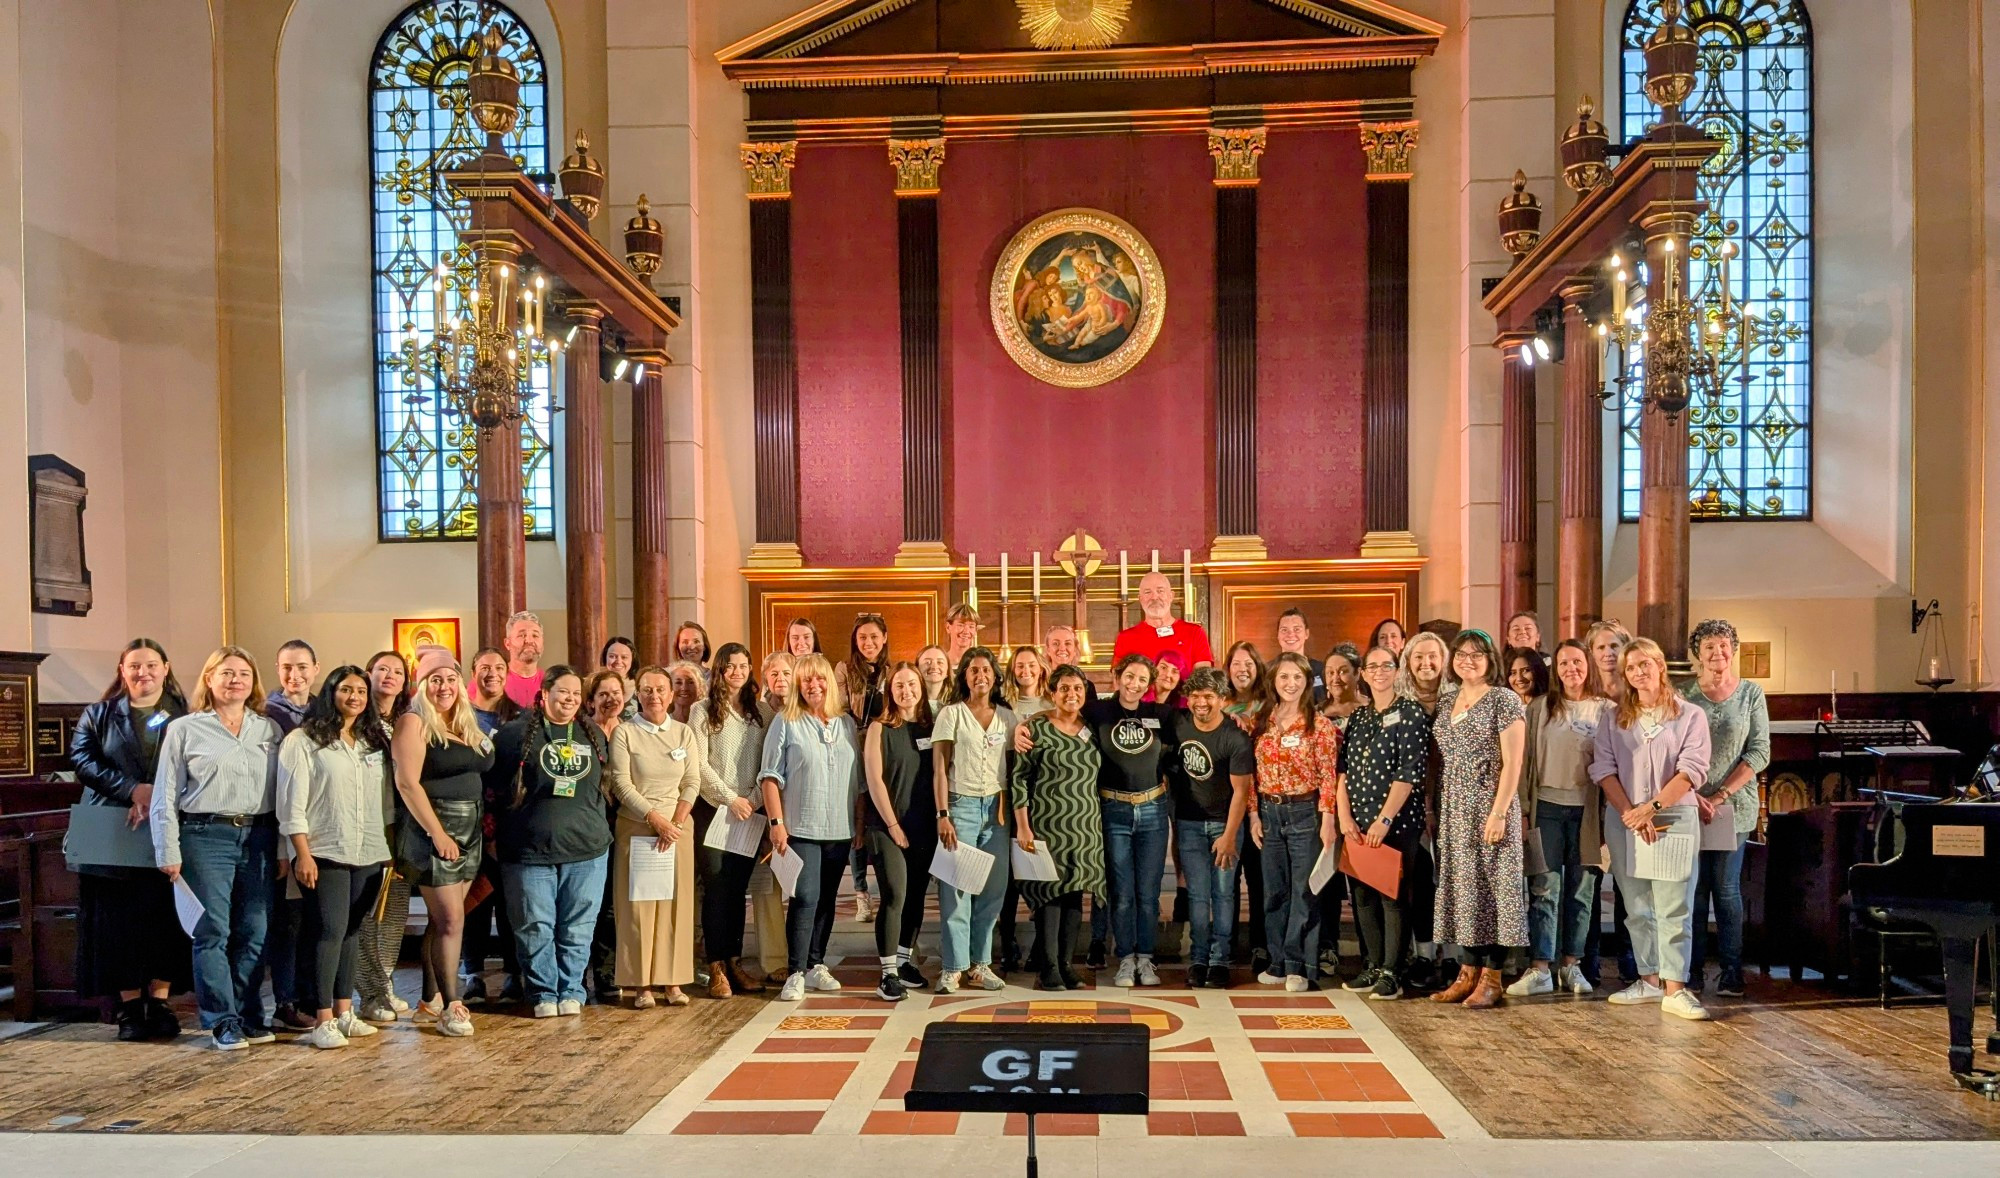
(524, 658)
(1157, 630)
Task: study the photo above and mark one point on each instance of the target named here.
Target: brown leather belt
(1132, 799)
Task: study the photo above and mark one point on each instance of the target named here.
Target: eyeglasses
(1467, 655)
(1373, 667)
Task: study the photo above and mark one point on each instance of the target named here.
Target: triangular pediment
(858, 30)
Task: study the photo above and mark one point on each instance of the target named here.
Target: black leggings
(1486, 956)
(1056, 925)
(1382, 922)
(901, 913)
(725, 890)
(335, 909)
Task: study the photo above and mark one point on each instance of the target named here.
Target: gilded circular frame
(1078, 297)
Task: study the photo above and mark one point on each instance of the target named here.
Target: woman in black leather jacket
(129, 940)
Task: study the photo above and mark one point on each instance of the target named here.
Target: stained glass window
(419, 128)
(1749, 451)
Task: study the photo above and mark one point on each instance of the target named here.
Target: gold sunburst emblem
(1074, 24)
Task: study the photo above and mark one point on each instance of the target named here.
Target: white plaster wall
(343, 587)
(121, 366)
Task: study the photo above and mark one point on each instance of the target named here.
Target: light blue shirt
(206, 769)
(817, 771)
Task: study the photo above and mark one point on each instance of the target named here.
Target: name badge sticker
(1392, 719)
(1149, 722)
(1290, 742)
(679, 754)
(923, 744)
(993, 739)
(1164, 631)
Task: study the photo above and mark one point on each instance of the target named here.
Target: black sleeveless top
(452, 771)
(906, 771)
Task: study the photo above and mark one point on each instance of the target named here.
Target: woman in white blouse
(729, 726)
(969, 750)
(333, 773)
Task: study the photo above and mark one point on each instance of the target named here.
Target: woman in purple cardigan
(1650, 758)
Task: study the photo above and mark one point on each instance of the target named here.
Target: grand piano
(1947, 876)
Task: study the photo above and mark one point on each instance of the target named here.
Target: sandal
(677, 998)
(644, 1001)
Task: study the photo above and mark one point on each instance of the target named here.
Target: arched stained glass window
(1749, 452)
(419, 128)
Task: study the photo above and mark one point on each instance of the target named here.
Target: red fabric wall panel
(1129, 460)
(1312, 295)
(845, 306)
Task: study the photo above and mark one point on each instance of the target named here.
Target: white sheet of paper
(737, 838)
(185, 904)
(1719, 834)
(651, 873)
(1669, 857)
(1323, 868)
(1034, 865)
(785, 868)
(965, 868)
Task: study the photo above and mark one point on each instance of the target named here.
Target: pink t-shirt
(523, 689)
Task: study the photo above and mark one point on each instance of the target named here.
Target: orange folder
(1380, 867)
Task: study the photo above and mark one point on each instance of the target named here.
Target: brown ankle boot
(718, 980)
(1487, 993)
(1468, 976)
(744, 981)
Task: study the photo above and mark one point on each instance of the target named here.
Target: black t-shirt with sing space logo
(1133, 743)
(1200, 773)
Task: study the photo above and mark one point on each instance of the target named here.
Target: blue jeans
(1719, 877)
(1564, 898)
(553, 908)
(1135, 847)
(1291, 912)
(231, 870)
(967, 918)
(1211, 891)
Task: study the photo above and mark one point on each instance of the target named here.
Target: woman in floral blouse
(1297, 754)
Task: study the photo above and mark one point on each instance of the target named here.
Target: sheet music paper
(1669, 857)
(1323, 868)
(1037, 864)
(1719, 834)
(965, 868)
(785, 868)
(650, 875)
(725, 833)
(186, 906)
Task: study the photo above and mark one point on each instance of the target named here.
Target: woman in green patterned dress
(1055, 795)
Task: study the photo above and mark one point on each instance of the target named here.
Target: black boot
(161, 1021)
(131, 1018)
(1066, 930)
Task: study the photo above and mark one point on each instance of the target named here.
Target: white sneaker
(1684, 1005)
(1639, 992)
(545, 1010)
(379, 1014)
(1537, 980)
(819, 977)
(947, 982)
(1128, 972)
(863, 910)
(569, 1006)
(1572, 980)
(984, 978)
(354, 1027)
(326, 1036)
(793, 989)
(1148, 976)
(1267, 978)
(1295, 984)
(456, 1021)
(428, 1009)
(398, 1005)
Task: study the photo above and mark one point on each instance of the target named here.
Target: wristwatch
(777, 822)
(944, 813)
(1656, 805)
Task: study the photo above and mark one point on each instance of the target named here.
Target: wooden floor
(597, 1073)
(1791, 1061)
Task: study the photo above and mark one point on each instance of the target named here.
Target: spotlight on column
(638, 373)
(1527, 355)
(1542, 348)
(618, 369)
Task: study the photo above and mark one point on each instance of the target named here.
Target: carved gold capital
(1236, 151)
(1389, 148)
(768, 168)
(917, 163)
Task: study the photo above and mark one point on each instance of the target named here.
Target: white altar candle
(1123, 585)
(1156, 560)
(1003, 576)
(1187, 581)
(1038, 576)
(971, 581)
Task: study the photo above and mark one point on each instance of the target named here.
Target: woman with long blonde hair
(214, 823)
(811, 776)
(440, 755)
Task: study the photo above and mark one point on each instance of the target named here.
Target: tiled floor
(1245, 1062)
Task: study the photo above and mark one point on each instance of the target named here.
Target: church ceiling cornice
(1368, 33)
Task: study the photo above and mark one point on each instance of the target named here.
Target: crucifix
(1079, 556)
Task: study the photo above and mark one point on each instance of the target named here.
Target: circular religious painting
(1078, 297)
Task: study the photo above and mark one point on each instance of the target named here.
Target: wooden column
(917, 163)
(1663, 460)
(1236, 151)
(1390, 148)
(650, 624)
(588, 605)
(774, 365)
(1517, 477)
(1580, 472)
(503, 545)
